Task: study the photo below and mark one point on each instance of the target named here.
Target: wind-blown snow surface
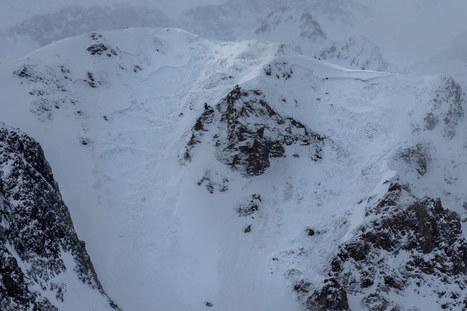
(114, 112)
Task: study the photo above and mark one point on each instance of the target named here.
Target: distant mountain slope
(40, 30)
(43, 266)
(309, 26)
(359, 53)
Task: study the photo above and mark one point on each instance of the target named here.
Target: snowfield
(114, 112)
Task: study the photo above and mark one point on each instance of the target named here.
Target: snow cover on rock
(231, 175)
(359, 53)
(43, 266)
(250, 132)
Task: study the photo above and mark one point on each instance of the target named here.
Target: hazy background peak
(407, 32)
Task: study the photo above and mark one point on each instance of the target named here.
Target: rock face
(36, 231)
(331, 296)
(447, 108)
(356, 52)
(249, 133)
(287, 17)
(408, 246)
(416, 158)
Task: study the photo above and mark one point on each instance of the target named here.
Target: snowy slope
(169, 233)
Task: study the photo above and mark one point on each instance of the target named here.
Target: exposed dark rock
(301, 287)
(376, 302)
(250, 132)
(51, 87)
(250, 205)
(310, 231)
(408, 241)
(36, 225)
(431, 121)
(92, 81)
(204, 120)
(85, 141)
(214, 182)
(95, 36)
(416, 157)
(247, 229)
(14, 292)
(254, 133)
(329, 297)
(447, 109)
(99, 48)
(50, 77)
(280, 70)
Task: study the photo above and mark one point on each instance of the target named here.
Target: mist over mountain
(233, 155)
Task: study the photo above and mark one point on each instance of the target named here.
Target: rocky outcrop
(249, 205)
(279, 70)
(416, 158)
(330, 296)
(447, 108)
(99, 48)
(249, 133)
(356, 52)
(409, 246)
(50, 88)
(36, 231)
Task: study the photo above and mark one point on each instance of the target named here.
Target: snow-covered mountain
(247, 176)
(40, 30)
(312, 27)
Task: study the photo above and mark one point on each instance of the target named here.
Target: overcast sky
(413, 30)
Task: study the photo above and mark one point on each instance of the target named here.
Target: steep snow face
(43, 264)
(229, 175)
